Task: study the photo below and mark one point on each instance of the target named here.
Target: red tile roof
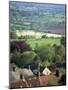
(31, 82)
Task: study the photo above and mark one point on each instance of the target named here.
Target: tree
(46, 54)
(30, 57)
(63, 80)
(15, 58)
(59, 51)
(44, 36)
(63, 41)
(26, 58)
(13, 35)
(19, 46)
(53, 81)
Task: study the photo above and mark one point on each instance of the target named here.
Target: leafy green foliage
(13, 35)
(15, 58)
(26, 37)
(63, 41)
(53, 81)
(43, 55)
(44, 36)
(46, 54)
(62, 71)
(59, 51)
(63, 80)
(44, 41)
(26, 58)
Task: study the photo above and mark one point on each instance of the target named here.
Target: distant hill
(37, 16)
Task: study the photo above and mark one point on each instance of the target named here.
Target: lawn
(38, 42)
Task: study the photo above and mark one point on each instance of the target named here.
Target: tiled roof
(44, 80)
(33, 81)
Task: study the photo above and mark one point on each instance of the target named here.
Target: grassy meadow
(43, 41)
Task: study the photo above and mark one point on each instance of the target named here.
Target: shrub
(63, 80)
(44, 36)
(46, 54)
(26, 58)
(13, 35)
(63, 41)
(19, 46)
(59, 52)
(53, 67)
(62, 71)
(53, 81)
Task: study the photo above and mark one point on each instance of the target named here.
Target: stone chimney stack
(21, 76)
(39, 74)
(29, 67)
(39, 78)
(13, 69)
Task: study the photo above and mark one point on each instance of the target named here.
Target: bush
(63, 80)
(15, 58)
(13, 35)
(63, 41)
(26, 58)
(44, 36)
(59, 52)
(19, 46)
(26, 37)
(53, 81)
(30, 57)
(62, 71)
(46, 54)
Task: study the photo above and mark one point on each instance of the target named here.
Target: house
(14, 76)
(25, 72)
(34, 81)
(46, 71)
(18, 73)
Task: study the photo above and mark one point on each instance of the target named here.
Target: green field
(38, 42)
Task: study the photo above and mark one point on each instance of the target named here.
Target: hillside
(37, 16)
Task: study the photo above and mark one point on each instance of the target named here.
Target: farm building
(29, 33)
(53, 35)
(35, 34)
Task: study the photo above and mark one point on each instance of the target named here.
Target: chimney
(39, 74)
(39, 78)
(13, 69)
(39, 66)
(21, 76)
(29, 67)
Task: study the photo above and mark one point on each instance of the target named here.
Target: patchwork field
(38, 42)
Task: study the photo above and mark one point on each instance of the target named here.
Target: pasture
(43, 41)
